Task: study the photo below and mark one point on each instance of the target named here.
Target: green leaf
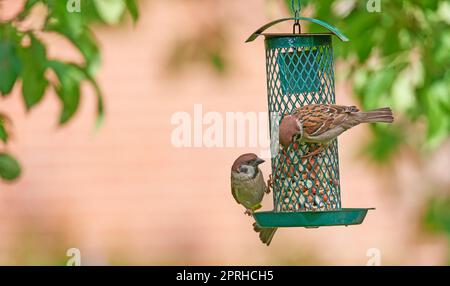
(8, 67)
(100, 105)
(437, 215)
(68, 88)
(3, 133)
(133, 9)
(9, 167)
(34, 61)
(375, 92)
(438, 120)
(87, 44)
(111, 11)
(75, 28)
(9, 61)
(403, 92)
(64, 22)
(100, 113)
(4, 121)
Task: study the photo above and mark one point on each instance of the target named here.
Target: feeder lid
(333, 30)
(276, 35)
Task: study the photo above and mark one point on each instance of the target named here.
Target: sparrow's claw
(269, 184)
(249, 212)
(314, 153)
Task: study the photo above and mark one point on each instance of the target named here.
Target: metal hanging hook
(297, 8)
(297, 29)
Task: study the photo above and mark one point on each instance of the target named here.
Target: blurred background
(87, 162)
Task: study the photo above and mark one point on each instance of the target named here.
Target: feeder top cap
(277, 35)
(333, 30)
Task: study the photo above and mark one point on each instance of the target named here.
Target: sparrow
(321, 123)
(248, 188)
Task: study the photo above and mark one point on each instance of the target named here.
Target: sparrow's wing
(262, 188)
(319, 118)
(234, 190)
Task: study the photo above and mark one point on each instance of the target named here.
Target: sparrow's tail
(265, 234)
(378, 115)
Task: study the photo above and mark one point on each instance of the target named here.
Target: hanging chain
(297, 8)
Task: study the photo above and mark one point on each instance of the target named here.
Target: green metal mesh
(300, 71)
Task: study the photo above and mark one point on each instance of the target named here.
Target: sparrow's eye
(243, 169)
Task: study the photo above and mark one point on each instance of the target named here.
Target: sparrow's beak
(259, 161)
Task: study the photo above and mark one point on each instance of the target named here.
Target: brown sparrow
(248, 188)
(321, 123)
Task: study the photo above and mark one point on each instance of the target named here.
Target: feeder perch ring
(342, 217)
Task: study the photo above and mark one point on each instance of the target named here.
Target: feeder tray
(300, 71)
(311, 219)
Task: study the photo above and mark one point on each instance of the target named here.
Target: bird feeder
(300, 71)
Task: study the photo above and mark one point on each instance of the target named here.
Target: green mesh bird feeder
(300, 71)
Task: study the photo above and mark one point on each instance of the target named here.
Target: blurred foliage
(437, 217)
(208, 47)
(23, 57)
(9, 167)
(399, 57)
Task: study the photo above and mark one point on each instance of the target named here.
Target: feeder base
(311, 219)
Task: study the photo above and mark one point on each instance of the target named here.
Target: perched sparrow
(248, 188)
(321, 123)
